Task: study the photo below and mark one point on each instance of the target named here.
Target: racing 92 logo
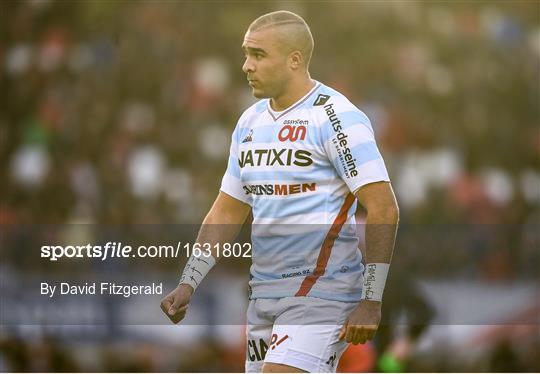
(292, 133)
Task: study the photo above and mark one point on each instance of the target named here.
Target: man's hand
(175, 304)
(362, 323)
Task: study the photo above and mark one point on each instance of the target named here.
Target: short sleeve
(349, 142)
(231, 183)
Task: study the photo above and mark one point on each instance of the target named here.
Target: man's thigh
(280, 368)
(310, 348)
(258, 333)
(306, 334)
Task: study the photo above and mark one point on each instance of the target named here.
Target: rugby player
(303, 154)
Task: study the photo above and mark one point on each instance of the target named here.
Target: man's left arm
(381, 227)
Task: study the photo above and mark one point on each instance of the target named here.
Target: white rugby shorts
(301, 332)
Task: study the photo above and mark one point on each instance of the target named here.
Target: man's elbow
(385, 213)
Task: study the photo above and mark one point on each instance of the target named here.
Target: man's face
(266, 63)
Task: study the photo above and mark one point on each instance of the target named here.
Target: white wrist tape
(374, 281)
(196, 269)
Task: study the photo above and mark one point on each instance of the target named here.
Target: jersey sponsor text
(279, 189)
(275, 157)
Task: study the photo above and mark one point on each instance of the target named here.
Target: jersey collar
(277, 115)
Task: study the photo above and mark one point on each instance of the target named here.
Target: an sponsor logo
(271, 157)
(292, 133)
(249, 137)
(341, 143)
(303, 122)
(279, 189)
(321, 100)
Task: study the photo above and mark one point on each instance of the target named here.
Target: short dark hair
(302, 39)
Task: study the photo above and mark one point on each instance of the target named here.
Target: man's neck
(296, 91)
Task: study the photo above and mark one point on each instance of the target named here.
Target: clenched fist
(362, 323)
(175, 304)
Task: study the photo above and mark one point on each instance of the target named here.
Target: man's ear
(296, 60)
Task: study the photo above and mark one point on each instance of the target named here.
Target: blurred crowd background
(117, 112)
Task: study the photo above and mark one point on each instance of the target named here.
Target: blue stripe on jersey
(347, 119)
(334, 271)
(258, 275)
(260, 134)
(362, 153)
(269, 134)
(274, 208)
(316, 175)
(343, 297)
(298, 245)
(233, 168)
(261, 106)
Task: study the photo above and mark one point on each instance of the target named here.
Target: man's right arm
(221, 225)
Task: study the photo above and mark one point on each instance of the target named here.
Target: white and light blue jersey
(298, 170)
